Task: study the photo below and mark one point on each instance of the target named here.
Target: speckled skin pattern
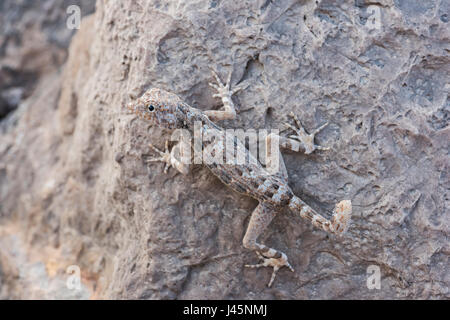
(271, 190)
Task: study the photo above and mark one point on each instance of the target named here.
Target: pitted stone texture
(137, 233)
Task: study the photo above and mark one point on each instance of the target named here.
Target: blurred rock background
(75, 190)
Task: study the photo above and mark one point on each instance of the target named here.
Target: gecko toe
(275, 263)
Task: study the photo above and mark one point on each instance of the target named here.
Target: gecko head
(160, 107)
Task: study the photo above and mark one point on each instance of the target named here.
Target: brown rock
(74, 188)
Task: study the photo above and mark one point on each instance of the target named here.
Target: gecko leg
(259, 220)
(300, 142)
(274, 158)
(170, 158)
(306, 139)
(343, 210)
(224, 92)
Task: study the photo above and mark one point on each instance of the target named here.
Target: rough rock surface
(75, 190)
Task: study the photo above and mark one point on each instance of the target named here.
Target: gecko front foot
(224, 89)
(165, 156)
(224, 92)
(276, 263)
(304, 137)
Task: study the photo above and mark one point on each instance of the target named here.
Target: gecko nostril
(151, 108)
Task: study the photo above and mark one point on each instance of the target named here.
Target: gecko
(270, 189)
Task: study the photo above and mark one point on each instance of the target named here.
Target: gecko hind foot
(276, 263)
(304, 137)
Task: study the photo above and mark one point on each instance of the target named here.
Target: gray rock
(75, 187)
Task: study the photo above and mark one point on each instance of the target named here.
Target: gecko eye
(151, 108)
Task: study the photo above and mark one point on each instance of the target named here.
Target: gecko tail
(338, 224)
(341, 217)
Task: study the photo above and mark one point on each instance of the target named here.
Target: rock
(33, 41)
(75, 189)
